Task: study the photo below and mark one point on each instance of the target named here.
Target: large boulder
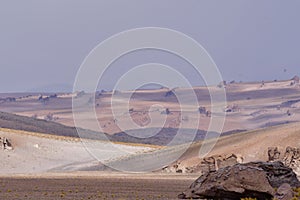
(255, 179)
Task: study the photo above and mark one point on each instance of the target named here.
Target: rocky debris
(232, 108)
(174, 168)
(214, 163)
(202, 110)
(255, 179)
(5, 144)
(291, 157)
(284, 192)
(208, 164)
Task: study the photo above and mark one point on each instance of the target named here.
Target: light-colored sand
(34, 153)
(259, 106)
(251, 145)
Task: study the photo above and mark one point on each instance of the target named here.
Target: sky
(43, 43)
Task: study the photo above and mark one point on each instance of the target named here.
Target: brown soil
(103, 187)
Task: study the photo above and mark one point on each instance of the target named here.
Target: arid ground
(94, 186)
(49, 161)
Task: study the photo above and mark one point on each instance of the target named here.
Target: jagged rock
(284, 192)
(208, 164)
(291, 157)
(5, 144)
(255, 179)
(216, 162)
(273, 154)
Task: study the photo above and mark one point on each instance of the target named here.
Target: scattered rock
(273, 154)
(291, 157)
(5, 144)
(255, 179)
(214, 163)
(202, 110)
(208, 164)
(232, 108)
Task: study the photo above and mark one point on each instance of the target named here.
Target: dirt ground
(98, 187)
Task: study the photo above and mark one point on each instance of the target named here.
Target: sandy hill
(251, 145)
(36, 152)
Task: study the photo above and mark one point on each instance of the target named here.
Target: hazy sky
(43, 42)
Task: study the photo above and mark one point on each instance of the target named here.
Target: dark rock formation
(255, 179)
(202, 110)
(273, 154)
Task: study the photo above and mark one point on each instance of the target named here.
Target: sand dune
(34, 152)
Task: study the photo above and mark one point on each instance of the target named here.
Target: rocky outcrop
(255, 179)
(273, 154)
(291, 157)
(5, 144)
(208, 164)
(214, 163)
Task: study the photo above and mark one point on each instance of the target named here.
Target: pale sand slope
(252, 145)
(34, 153)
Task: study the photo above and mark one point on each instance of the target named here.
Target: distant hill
(16, 122)
(163, 137)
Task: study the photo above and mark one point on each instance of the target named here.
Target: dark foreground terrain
(98, 187)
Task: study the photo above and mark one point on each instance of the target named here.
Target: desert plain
(48, 160)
